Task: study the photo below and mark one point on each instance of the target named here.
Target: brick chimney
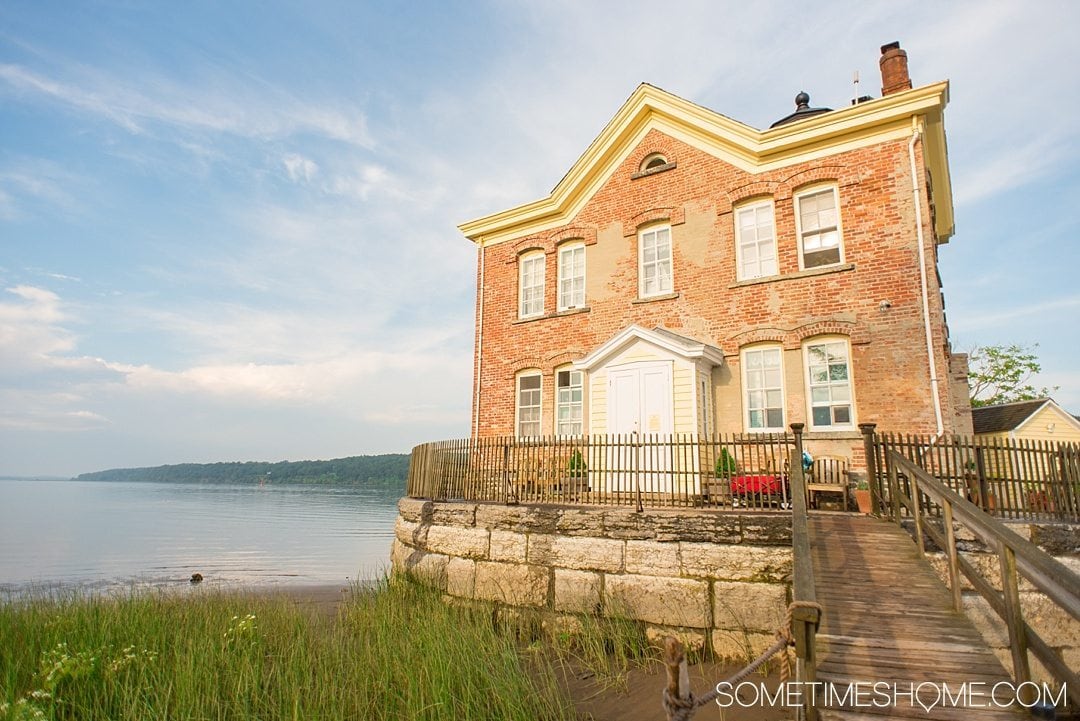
(894, 73)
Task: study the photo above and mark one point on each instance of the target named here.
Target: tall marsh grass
(393, 652)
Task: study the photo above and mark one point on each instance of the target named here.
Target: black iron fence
(745, 471)
(1015, 480)
(1010, 479)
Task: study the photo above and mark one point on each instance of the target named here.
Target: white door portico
(648, 384)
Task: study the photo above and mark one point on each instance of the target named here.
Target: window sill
(559, 314)
(653, 171)
(651, 298)
(844, 435)
(808, 273)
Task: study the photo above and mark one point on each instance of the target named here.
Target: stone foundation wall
(1060, 630)
(716, 579)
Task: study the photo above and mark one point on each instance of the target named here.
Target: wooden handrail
(804, 620)
(1017, 557)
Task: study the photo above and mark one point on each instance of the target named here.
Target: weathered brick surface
(697, 197)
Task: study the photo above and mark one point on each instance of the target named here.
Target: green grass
(394, 652)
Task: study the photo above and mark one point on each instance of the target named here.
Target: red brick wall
(889, 361)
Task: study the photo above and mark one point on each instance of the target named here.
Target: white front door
(640, 410)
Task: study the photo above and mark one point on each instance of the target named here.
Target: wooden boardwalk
(889, 618)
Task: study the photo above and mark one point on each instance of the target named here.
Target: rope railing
(798, 631)
(678, 699)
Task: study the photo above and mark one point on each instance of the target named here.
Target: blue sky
(227, 230)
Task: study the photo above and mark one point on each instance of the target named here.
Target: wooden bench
(828, 474)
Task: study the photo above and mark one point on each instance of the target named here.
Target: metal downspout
(479, 342)
(931, 362)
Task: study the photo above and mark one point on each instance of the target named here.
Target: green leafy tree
(1002, 374)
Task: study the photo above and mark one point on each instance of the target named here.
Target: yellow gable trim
(752, 150)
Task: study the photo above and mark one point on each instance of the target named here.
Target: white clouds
(362, 182)
(244, 110)
(29, 327)
(27, 180)
(300, 168)
(1043, 310)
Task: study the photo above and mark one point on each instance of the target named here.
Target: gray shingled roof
(1004, 417)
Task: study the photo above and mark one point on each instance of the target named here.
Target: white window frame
(653, 232)
(526, 265)
(832, 403)
(519, 407)
(748, 407)
(569, 403)
(741, 245)
(838, 227)
(575, 297)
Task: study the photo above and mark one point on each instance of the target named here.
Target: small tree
(1000, 374)
(725, 464)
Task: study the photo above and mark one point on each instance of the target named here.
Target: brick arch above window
(529, 245)
(569, 356)
(757, 190)
(529, 364)
(582, 233)
(856, 333)
(655, 143)
(675, 215)
(759, 335)
(839, 174)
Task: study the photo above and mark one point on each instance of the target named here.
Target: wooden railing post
(678, 674)
(980, 474)
(1014, 619)
(873, 482)
(894, 490)
(916, 510)
(804, 618)
(635, 471)
(954, 560)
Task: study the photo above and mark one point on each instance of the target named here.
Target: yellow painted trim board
(754, 151)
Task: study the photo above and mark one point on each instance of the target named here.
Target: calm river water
(105, 535)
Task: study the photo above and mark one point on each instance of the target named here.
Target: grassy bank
(395, 652)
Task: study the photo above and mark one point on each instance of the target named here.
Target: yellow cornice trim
(747, 148)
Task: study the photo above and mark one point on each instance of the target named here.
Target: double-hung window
(528, 404)
(763, 378)
(531, 285)
(828, 367)
(572, 276)
(755, 232)
(568, 402)
(818, 218)
(654, 261)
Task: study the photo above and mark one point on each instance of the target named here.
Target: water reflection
(105, 533)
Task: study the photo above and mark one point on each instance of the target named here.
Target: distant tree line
(389, 469)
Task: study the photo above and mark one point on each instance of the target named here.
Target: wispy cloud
(243, 110)
(1046, 308)
(300, 168)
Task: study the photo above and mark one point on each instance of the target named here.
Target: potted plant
(862, 496)
(725, 464)
(575, 470)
